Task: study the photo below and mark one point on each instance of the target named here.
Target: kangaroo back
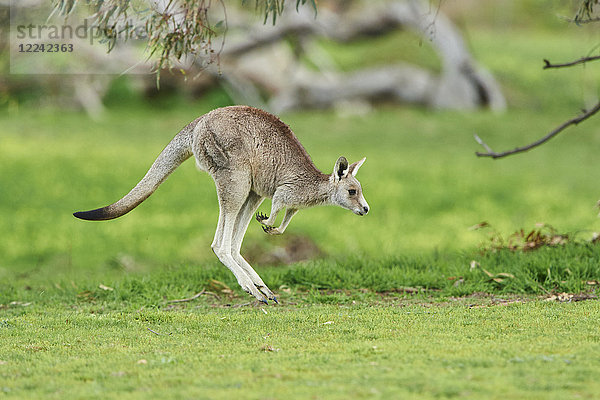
(176, 152)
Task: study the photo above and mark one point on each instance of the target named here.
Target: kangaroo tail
(176, 152)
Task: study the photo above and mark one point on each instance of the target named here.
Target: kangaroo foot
(267, 292)
(250, 288)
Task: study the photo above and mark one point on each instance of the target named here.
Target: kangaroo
(251, 155)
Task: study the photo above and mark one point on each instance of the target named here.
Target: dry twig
(582, 60)
(574, 121)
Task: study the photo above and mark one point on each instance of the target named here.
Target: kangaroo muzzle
(362, 209)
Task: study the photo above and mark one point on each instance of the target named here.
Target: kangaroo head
(347, 192)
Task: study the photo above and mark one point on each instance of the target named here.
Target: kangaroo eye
(352, 192)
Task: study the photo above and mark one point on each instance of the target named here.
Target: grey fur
(251, 155)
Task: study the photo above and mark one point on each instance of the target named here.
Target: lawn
(408, 301)
(331, 352)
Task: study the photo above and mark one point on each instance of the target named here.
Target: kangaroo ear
(340, 169)
(353, 169)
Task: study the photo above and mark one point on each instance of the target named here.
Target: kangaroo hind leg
(243, 219)
(232, 191)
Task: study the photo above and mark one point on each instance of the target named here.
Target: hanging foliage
(174, 29)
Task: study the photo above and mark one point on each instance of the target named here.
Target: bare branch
(582, 117)
(483, 144)
(582, 60)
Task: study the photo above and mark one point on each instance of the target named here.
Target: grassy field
(330, 352)
(405, 302)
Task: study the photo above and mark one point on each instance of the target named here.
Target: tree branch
(490, 153)
(582, 60)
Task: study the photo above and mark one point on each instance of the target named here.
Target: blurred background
(414, 52)
(404, 83)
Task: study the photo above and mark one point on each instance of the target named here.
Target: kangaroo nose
(366, 209)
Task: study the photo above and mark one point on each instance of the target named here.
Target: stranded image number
(45, 48)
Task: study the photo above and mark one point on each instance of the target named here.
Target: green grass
(513, 352)
(573, 268)
(81, 303)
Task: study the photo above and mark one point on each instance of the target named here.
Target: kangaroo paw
(260, 217)
(271, 230)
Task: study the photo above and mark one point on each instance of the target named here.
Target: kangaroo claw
(252, 290)
(267, 292)
(271, 230)
(260, 217)
(267, 228)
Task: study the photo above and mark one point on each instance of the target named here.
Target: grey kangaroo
(251, 155)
